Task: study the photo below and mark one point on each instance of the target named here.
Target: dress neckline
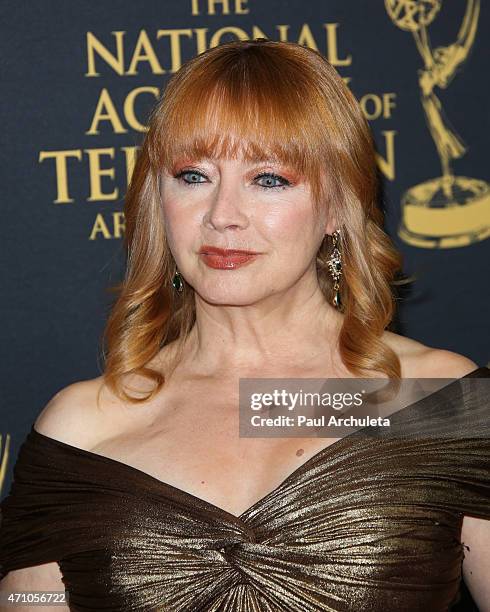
(193, 500)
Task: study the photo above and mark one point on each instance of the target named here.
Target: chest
(190, 440)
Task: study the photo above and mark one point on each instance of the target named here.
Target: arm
(475, 535)
(45, 577)
(475, 532)
(69, 417)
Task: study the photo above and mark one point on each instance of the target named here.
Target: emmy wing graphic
(447, 211)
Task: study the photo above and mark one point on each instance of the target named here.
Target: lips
(226, 259)
(210, 250)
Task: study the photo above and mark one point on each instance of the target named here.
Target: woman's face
(233, 204)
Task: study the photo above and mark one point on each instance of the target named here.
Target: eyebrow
(189, 160)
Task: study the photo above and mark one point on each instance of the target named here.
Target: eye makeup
(284, 183)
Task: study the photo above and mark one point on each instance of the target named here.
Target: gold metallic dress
(368, 523)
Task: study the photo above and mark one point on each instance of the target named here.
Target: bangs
(239, 104)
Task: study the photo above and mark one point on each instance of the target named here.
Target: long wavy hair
(264, 99)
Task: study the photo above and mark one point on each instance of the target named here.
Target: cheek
(179, 222)
(291, 225)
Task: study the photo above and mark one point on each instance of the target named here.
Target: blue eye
(193, 173)
(270, 176)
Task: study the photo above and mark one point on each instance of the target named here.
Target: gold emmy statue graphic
(446, 211)
(4, 457)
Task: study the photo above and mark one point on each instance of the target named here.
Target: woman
(255, 250)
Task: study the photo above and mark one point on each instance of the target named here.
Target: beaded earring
(334, 264)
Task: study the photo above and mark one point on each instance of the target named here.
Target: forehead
(223, 147)
(226, 149)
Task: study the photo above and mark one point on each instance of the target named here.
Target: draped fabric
(368, 523)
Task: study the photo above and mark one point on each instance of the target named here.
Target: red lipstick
(226, 259)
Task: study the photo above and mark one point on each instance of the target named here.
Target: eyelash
(272, 175)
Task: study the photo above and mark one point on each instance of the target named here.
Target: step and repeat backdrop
(79, 79)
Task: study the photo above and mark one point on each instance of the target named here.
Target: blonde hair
(265, 99)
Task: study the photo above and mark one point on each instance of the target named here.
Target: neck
(275, 334)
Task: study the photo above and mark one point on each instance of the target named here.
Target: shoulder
(73, 414)
(447, 364)
(421, 361)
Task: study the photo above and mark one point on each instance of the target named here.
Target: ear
(330, 226)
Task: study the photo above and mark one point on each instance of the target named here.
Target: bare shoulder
(73, 414)
(421, 361)
(447, 364)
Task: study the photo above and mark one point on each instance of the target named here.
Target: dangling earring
(178, 281)
(334, 264)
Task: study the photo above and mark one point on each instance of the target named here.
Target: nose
(225, 209)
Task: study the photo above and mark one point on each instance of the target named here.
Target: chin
(230, 296)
